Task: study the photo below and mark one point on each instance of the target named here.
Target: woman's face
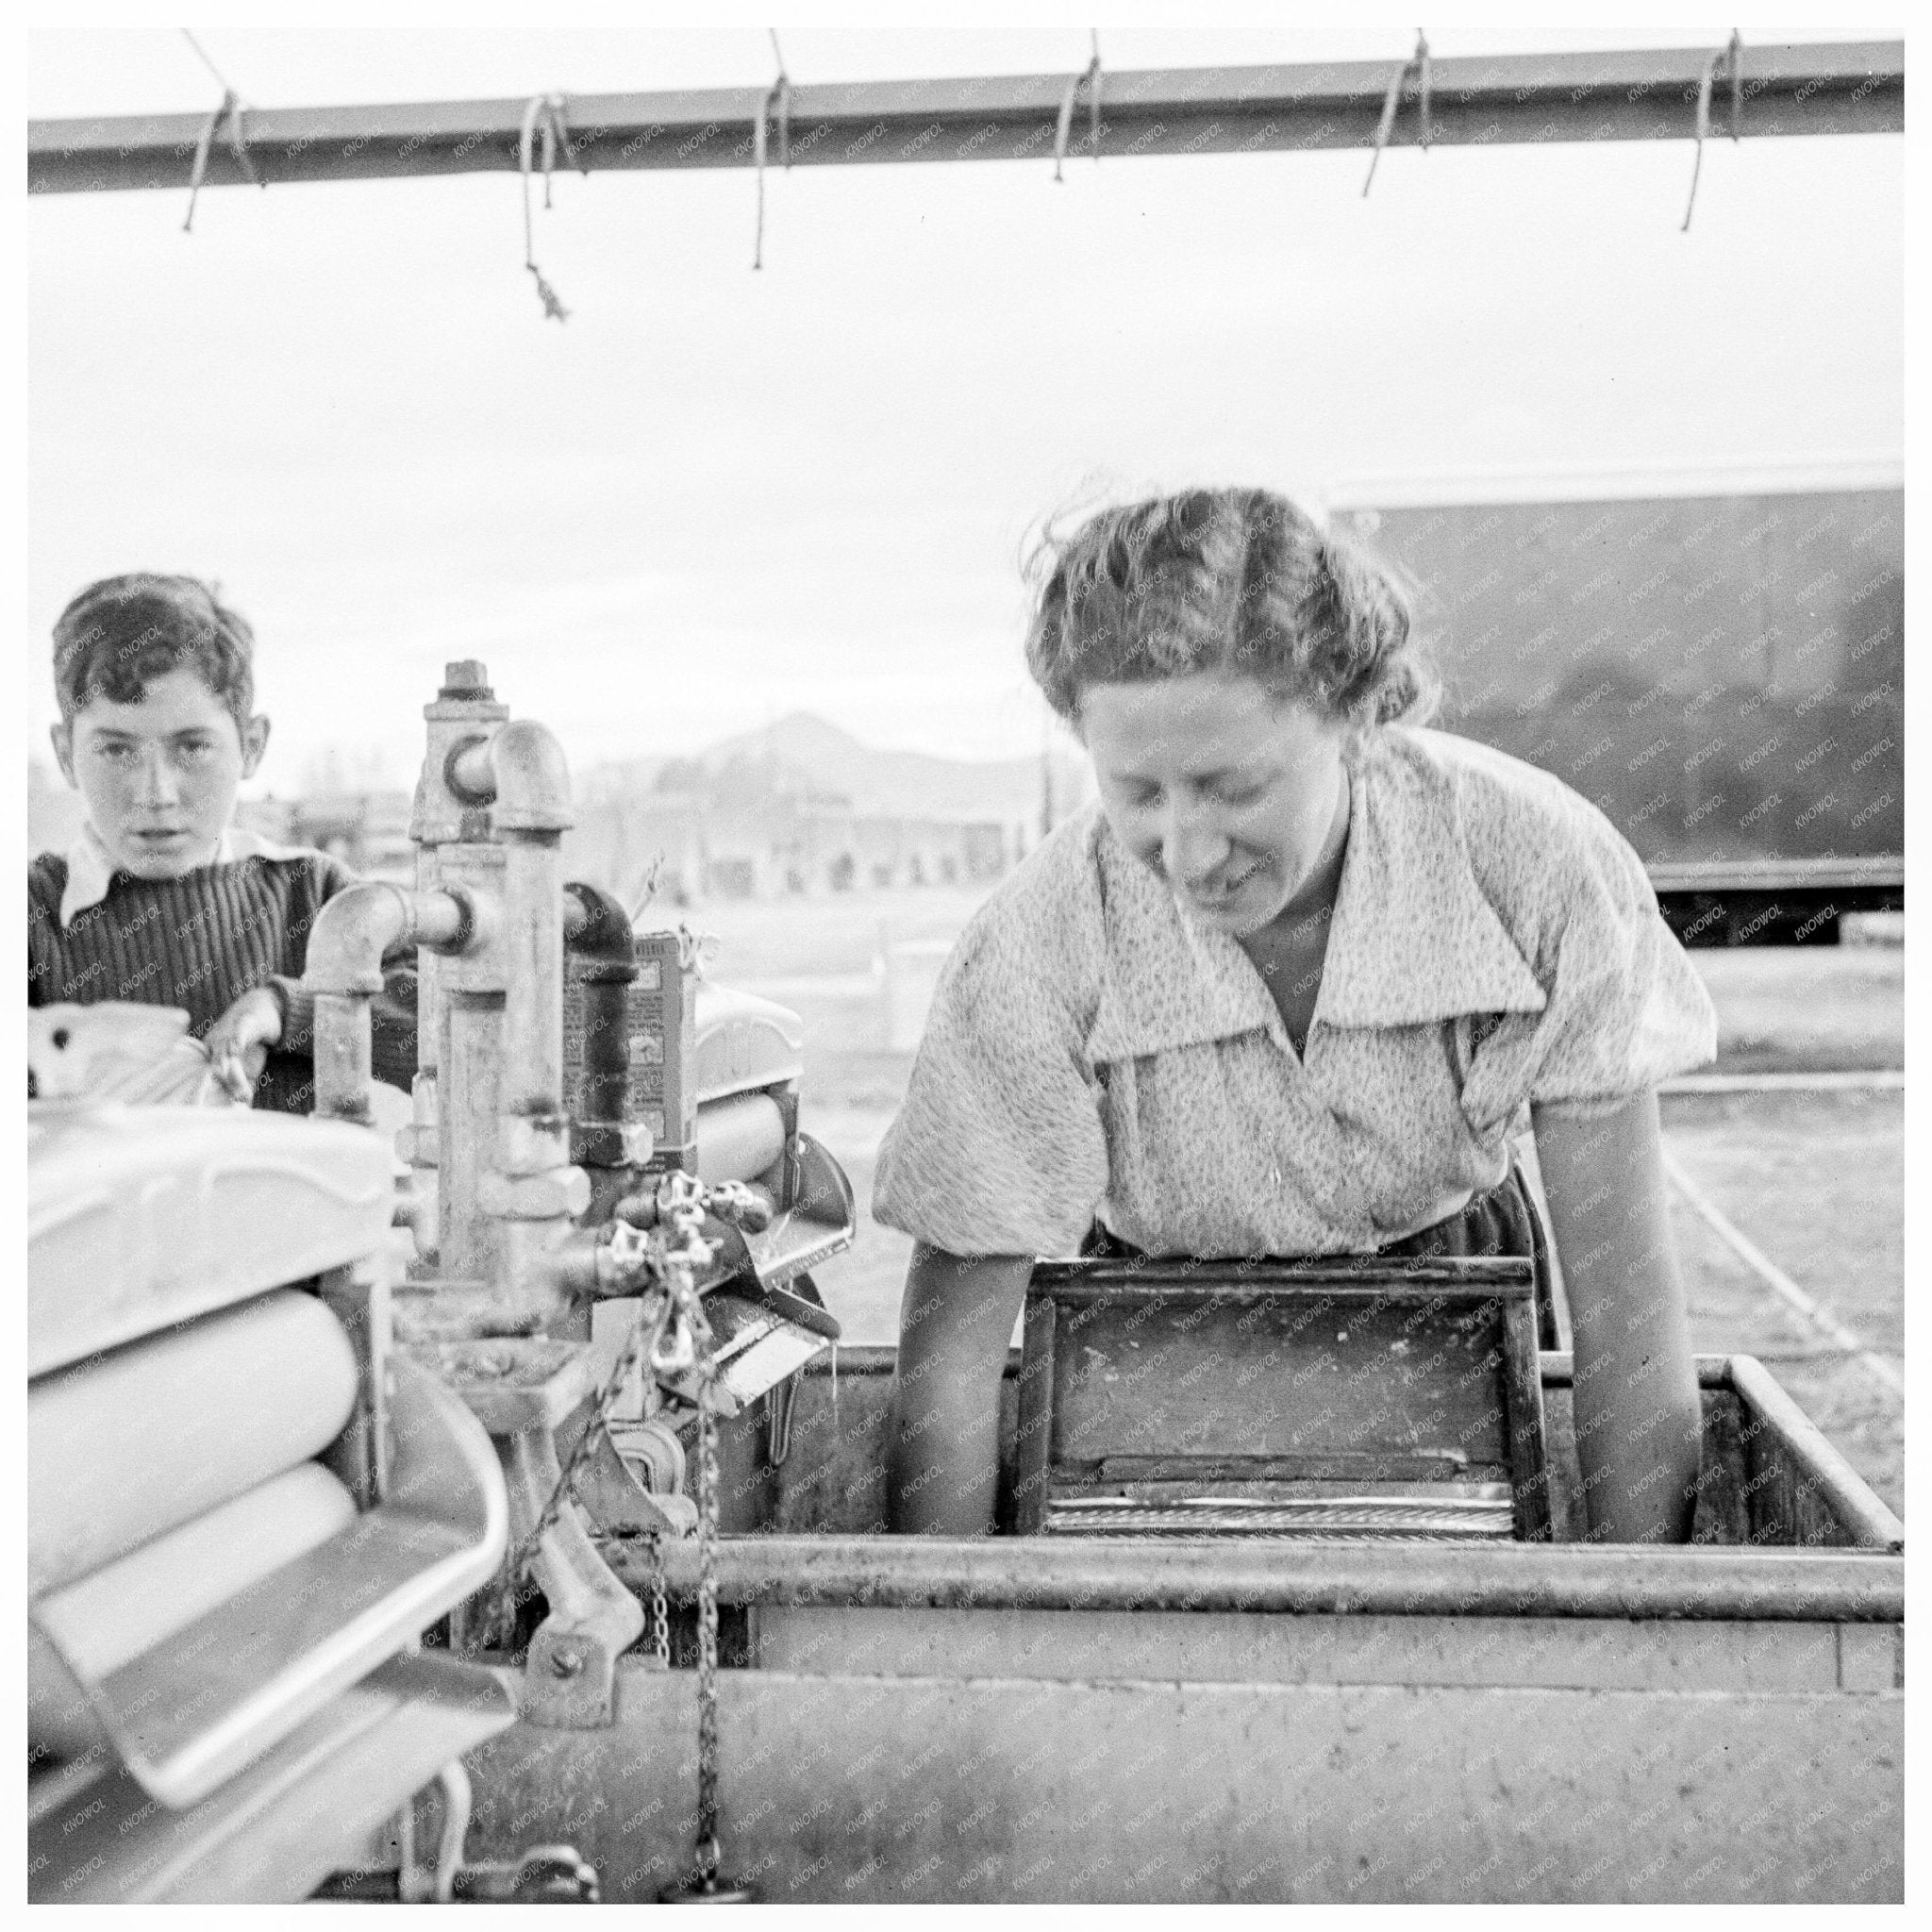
(1229, 793)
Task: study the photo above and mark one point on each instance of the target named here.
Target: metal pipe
(531, 814)
(596, 929)
(1330, 1579)
(343, 969)
(469, 772)
(533, 1193)
(432, 1025)
(467, 1238)
(1840, 88)
(531, 1093)
(344, 1056)
(362, 922)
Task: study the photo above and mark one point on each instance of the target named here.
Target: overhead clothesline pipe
(1840, 87)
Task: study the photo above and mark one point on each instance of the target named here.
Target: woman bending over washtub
(1285, 990)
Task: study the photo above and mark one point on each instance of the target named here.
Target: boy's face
(160, 776)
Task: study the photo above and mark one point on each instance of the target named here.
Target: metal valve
(678, 1194)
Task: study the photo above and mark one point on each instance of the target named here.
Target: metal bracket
(570, 1679)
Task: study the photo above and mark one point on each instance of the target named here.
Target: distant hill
(806, 756)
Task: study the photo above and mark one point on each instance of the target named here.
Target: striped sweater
(200, 942)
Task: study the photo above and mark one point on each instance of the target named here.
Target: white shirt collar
(90, 867)
(1413, 939)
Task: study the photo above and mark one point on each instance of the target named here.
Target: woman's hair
(119, 634)
(1234, 581)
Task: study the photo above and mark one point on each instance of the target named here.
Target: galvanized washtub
(1048, 1719)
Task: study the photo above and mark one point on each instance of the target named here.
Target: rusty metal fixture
(600, 966)
(500, 1301)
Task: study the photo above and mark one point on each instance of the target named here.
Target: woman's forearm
(1639, 1427)
(955, 1325)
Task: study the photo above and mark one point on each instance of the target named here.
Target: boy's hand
(241, 1037)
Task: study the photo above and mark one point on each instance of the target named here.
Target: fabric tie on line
(547, 110)
(229, 114)
(1089, 80)
(1731, 55)
(695, 950)
(778, 99)
(1418, 64)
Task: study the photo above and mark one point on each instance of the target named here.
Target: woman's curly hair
(1234, 581)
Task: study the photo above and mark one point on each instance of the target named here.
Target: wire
(1091, 80)
(229, 114)
(1417, 63)
(778, 96)
(1732, 54)
(220, 80)
(784, 103)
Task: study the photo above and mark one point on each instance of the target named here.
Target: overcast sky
(713, 496)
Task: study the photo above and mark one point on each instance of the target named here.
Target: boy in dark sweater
(161, 899)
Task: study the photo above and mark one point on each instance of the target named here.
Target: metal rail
(1838, 88)
(1303, 1578)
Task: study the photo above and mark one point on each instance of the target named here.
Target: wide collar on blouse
(1413, 939)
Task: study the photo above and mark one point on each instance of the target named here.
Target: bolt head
(468, 678)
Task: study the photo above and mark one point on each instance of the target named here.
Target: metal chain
(525, 1551)
(680, 1339)
(709, 1851)
(661, 1610)
(681, 1202)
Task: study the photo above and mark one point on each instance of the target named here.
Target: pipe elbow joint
(350, 936)
(596, 927)
(532, 779)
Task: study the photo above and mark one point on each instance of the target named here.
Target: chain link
(525, 1554)
(678, 1329)
(679, 1341)
(708, 1852)
(660, 1610)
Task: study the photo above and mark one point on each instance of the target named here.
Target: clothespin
(1089, 80)
(1418, 64)
(547, 110)
(1732, 54)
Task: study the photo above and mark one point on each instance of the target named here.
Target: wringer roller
(269, 1457)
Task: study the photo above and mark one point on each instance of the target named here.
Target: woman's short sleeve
(998, 1149)
(1625, 1007)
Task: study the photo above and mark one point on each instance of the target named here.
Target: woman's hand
(1638, 1423)
(942, 1464)
(241, 1039)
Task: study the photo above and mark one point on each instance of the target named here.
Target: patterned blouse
(1094, 1053)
